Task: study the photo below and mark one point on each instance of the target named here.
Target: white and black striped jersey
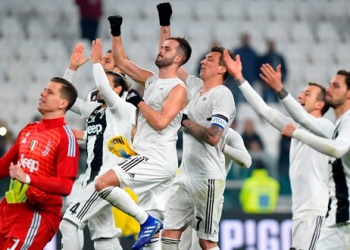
(339, 204)
(158, 146)
(199, 158)
(118, 118)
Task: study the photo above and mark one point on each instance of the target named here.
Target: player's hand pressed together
(16, 172)
(77, 58)
(271, 77)
(115, 23)
(164, 13)
(96, 50)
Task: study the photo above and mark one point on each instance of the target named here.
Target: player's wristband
(240, 81)
(282, 94)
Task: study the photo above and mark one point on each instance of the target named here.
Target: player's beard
(164, 62)
(101, 101)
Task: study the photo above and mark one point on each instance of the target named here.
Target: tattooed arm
(210, 135)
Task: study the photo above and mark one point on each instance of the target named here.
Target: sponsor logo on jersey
(31, 164)
(47, 148)
(94, 129)
(33, 144)
(25, 138)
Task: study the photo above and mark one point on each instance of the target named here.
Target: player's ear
(222, 69)
(63, 104)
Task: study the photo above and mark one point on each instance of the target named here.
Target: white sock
(70, 236)
(122, 200)
(104, 244)
(215, 248)
(154, 244)
(116, 244)
(170, 244)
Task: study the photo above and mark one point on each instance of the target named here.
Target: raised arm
(138, 74)
(164, 13)
(297, 112)
(275, 118)
(77, 59)
(336, 148)
(102, 83)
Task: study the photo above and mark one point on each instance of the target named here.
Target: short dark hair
(321, 96)
(119, 80)
(345, 73)
(67, 91)
(221, 59)
(184, 48)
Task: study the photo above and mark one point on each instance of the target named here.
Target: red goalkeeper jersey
(48, 152)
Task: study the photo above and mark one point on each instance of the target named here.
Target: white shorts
(334, 238)
(195, 202)
(88, 207)
(148, 180)
(306, 231)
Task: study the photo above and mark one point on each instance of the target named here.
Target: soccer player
(197, 191)
(108, 117)
(234, 151)
(45, 158)
(308, 168)
(150, 173)
(335, 234)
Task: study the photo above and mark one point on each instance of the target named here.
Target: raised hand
(115, 23)
(234, 66)
(77, 58)
(164, 13)
(271, 77)
(96, 50)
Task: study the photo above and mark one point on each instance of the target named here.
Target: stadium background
(37, 37)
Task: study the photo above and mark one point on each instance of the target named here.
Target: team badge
(47, 148)
(33, 144)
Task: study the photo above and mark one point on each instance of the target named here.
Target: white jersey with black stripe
(118, 118)
(199, 158)
(158, 146)
(339, 207)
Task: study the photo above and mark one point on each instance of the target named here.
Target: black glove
(164, 13)
(115, 22)
(133, 97)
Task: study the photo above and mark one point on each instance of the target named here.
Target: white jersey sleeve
(336, 148)
(235, 151)
(320, 127)
(118, 106)
(275, 118)
(69, 75)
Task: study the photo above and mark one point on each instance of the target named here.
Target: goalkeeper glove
(120, 146)
(133, 97)
(164, 13)
(17, 192)
(115, 23)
